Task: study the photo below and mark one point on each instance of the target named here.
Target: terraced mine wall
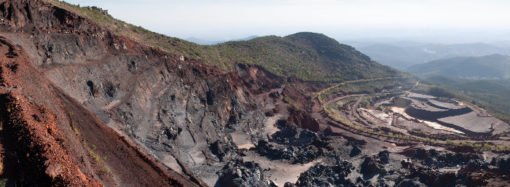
(435, 116)
(437, 106)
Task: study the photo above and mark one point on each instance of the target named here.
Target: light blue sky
(448, 20)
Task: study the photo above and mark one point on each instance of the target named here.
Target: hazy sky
(469, 20)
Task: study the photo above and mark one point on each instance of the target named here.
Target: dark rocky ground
(173, 119)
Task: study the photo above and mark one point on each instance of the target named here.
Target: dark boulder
(274, 95)
(294, 154)
(431, 177)
(321, 175)
(370, 167)
(384, 157)
(109, 89)
(410, 183)
(289, 184)
(220, 149)
(437, 159)
(292, 135)
(502, 163)
(210, 97)
(92, 88)
(355, 151)
(238, 173)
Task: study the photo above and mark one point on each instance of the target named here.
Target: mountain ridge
(402, 55)
(86, 95)
(155, 97)
(485, 67)
(226, 55)
(307, 56)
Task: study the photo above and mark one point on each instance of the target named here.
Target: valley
(87, 100)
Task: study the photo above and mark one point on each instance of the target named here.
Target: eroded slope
(132, 115)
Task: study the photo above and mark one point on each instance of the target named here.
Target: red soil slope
(61, 144)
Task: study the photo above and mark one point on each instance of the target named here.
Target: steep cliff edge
(93, 101)
(128, 114)
(59, 142)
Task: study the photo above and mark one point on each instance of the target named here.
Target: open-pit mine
(87, 100)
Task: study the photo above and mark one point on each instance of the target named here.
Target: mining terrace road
(354, 81)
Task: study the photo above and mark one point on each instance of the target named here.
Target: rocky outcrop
(384, 157)
(292, 144)
(410, 183)
(355, 151)
(371, 167)
(238, 174)
(502, 163)
(292, 135)
(63, 143)
(321, 175)
(296, 155)
(173, 109)
(86, 106)
(434, 158)
(304, 120)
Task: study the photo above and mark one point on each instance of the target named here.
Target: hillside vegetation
(306, 56)
(490, 94)
(485, 67)
(482, 80)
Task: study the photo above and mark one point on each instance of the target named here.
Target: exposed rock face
(410, 183)
(237, 174)
(294, 154)
(304, 120)
(384, 157)
(503, 163)
(222, 150)
(370, 167)
(58, 142)
(355, 151)
(33, 140)
(432, 178)
(321, 175)
(85, 106)
(293, 144)
(290, 134)
(174, 109)
(434, 158)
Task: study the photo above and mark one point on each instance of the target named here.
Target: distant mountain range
(473, 68)
(485, 80)
(402, 55)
